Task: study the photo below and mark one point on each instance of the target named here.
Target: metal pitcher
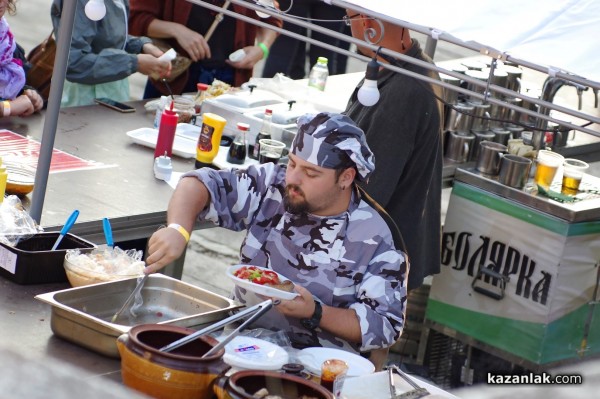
(490, 155)
(459, 118)
(459, 146)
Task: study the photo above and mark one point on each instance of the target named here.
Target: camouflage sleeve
(236, 194)
(382, 298)
(382, 291)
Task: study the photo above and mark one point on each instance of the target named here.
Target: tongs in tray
(415, 393)
(256, 311)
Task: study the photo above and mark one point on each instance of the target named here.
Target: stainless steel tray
(585, 210)
(82, 315)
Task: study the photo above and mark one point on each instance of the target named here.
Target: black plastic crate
(33, 262)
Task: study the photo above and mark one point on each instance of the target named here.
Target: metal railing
(487, 87)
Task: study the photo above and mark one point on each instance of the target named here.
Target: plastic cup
(333, 374)
(548, 163)
(270, 150)
(573, 171)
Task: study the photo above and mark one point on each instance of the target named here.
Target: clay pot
(243, 384)
(179, 374)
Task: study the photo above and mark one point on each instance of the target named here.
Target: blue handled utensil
(70, 222)
(108, 233)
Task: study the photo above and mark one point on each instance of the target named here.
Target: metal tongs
(417, 392)
(136, 290)
(256, 311)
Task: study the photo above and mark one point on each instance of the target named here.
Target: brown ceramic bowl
(180, 374)
(244, 384)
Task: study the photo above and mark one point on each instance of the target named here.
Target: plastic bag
(15, 222)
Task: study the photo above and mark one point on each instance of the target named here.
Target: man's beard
(297, 207)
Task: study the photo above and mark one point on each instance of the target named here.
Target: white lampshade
(95, 10)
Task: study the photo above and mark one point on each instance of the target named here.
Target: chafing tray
(82, 315)
(586, 209)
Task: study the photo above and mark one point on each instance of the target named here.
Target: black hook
(291, 103)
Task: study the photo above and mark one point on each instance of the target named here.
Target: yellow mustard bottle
(210, 139)
(3, 178)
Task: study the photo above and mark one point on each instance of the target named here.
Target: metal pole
(430, 46)
(63, 43)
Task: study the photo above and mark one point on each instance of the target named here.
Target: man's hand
(164, 247)
(193, 43)
(301, 307)
(150, 65)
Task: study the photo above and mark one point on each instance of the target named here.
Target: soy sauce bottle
(238, 149)
(264, 133)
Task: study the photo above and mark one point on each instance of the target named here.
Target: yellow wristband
(180, 229)
(264, 49)
(6, 110)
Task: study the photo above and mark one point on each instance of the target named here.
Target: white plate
(313, 358)
(254, 353)
(184, 144)
(260, 289)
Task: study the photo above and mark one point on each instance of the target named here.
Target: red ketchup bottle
(166, 132)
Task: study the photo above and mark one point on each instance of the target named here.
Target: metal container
(513, 81)
(514, 171)
(501, 135)
(481, 117)
(490, 155)
(82, 315)
(450, 96)
(482, 77)
(479, 138)
(459, 118)
(459, 146)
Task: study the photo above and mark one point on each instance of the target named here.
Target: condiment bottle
(317, 77)
(200, 96)
(3, 178)
(210, 139)
(264, 133)
(238, 149)
(166, 132)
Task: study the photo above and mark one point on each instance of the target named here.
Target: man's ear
(347, 177)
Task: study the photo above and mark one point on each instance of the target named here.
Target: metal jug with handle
(459, 146)
(490, 155)
(459, 118)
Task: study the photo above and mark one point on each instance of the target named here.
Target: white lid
(168, 55)
(255, 354)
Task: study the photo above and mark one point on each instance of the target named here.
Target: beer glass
(548, 163)
(573, 172)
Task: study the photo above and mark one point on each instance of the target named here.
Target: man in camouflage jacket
(307, 222)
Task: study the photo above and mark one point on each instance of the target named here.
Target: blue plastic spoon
(108, 233)
(66, 228)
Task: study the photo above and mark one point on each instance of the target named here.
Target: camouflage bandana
(322, 139)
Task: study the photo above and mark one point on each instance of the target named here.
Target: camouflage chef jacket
(346, 261)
